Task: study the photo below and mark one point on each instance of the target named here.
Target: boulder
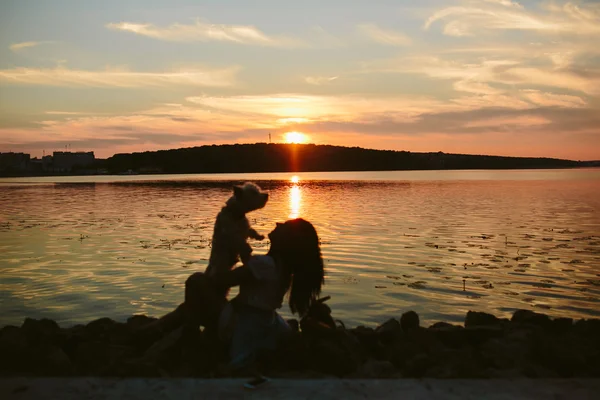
(340, 355)
(99, 327)
(479, 334)
(375, 369)
(562, 325)
(139, 320)
(449, 335)
(409, 321)
(50, 361)
(415, 367)
(531, 318)
(40, 331)
(475, 318)
(14, 350)
(389, 330)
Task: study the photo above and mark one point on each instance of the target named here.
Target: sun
(295, 137)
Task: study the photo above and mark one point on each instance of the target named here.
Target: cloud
(468, 21)
(504, 74)
(384, 36)
(62, 76)
(204, 32)
(393, 121)
(559, 79)
(471, 86)
(465, 21)
(291, 107)
(16, 47)
(504, 122)
(505, 3)
(544, 99)
(319, 80)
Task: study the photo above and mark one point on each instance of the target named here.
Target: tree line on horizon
(266, 157)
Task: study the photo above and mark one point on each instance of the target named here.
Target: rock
(73, 336)
(475, 318)
(409, 321)
(13, 348)
(163, 348)
(41, 330)
(416, 366)
(440, 325)
(134, 368)
(479, 334)
(138, 321)
(95, 357)
(120, 334)
(566, 356)
(453, 363)
(449, 335)
(562, 325)
(588, 327)
(338, 356)
(531, 318)
(367, 337)
(389, 330)
(99, 327)
(498, 353)
(51, 361)
(373, 369)
(402, 352)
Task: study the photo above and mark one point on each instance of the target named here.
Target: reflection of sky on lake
(75, 252)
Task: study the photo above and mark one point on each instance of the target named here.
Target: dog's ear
(238, 192)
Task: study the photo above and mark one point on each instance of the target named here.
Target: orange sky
(497, 77)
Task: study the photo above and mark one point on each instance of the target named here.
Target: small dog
(232, 229)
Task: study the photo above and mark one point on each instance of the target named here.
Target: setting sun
(295, 137)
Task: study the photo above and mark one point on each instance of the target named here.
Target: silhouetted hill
(263, 157)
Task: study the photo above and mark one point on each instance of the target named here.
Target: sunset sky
(495, 77)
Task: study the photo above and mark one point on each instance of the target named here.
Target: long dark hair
(296, 243)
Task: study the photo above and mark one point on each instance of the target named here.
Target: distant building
(14, 162)
(64, 161)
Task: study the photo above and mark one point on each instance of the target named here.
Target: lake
(438, 242)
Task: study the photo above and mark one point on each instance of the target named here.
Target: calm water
(441, 243)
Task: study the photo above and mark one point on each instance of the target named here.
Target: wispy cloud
(512, 121)
(16, 47)
(64, 113)
(384, 36)
(477, 76)
(319, 80)
(471, 86)
(545, 99)
(203, 32)
(464, 21)
(294, 107)
(468, 21)
(505, 3)
(62, 76)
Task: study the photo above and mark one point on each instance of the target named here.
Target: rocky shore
(528, 345)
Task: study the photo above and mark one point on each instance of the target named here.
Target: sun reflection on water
(295, 197)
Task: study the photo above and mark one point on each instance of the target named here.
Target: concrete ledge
(183, 389)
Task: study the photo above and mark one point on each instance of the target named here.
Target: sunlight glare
(294, 179)
(295, 200)
(295, 137)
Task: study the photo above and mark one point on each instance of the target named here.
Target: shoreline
(529, 345)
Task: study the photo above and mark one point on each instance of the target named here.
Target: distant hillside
(263, 157)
